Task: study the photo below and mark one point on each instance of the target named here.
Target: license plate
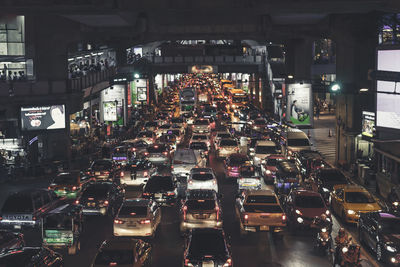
(131, 224)
(17, 226)
(264, 228)
(158, 195)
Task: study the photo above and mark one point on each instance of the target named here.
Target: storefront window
(324, 52)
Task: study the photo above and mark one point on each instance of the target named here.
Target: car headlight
(325, 190)
(298, 212)
(351, 212)
(300, 220)
(327, 212)
(396, 203)
(268, 172)
(345, 249)
(390, 248)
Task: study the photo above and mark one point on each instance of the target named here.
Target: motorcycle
(324, 241)
(350, 256)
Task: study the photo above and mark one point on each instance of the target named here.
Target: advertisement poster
(368, 123)
(200, 69)
(299, 104)
(43, 118)
(110, 111)
(142, 94)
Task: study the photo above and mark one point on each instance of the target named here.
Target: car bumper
(263, 228)
(17, 226)
(94, 211)
(133, 231)
(351, 218)
(200, 224)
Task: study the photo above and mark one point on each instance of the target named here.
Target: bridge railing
(256, 59)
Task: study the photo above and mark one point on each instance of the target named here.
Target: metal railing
(256, 59)
(78, 84)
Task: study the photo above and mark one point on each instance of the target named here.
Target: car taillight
(217, 211)
(145, 174)
(113, 263)
(145, 221)
(122, 174)
(146, 194)
(49, 187)
(106, 202)
(190, 182)
(170, 194)
(146, 153)
(228, 263)
(284, 217)
(1, 218)
(165, 153)
(246, 217)
(106, 172)
(187, 263)
(192, 126)
(229, 168)
(117, 221)
(76, 202)
(214, 182)
(74, 188)
(184, 212)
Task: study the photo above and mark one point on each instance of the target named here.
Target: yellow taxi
(348, 201)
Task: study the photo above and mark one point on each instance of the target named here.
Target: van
(294, 140)
(263, 149)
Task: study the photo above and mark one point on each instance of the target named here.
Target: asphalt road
(254, 250)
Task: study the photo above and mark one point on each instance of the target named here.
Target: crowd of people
(8, 75)
(77, 70)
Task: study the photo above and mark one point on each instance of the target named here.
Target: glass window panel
(14, 36)
(3, 37)
(3, 49)
(16, 49)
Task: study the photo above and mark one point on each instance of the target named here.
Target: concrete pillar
(298, 58)
(356, 40)
(257, 90)
(121, 55)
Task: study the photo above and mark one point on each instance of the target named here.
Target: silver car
(158, 154)
(226, 147)
(201, 126)
(137, 217)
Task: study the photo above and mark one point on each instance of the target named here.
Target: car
(200, 209)
(136, 146)
(121, 155)
(201, 137)
(262, 149)
(137, 172)
(268, 167)
(123, 252)
(258, 124)
(137, 217)
(158, 154)
(162, 189)
(179, 127)
(302, 206)
(207, 247)
(226, 147)
(323, 181)
(163, 129)
(201, 126)
(68, 184)
(23, 210)
(221, 135)
(183, 161)
(233, 163)
(180, 135)
(294, 140)
(148, 136)
(100, 198)
(248, 178)
(10, 240)
(202, 178)
(259, 210)
(179, 121)
(379, 231)
(151, 126)
(287, 176)
(201, 147)
(310, 161)
(102, 169)
(348, 201)
(31, 256)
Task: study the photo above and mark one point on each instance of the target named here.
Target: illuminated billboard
(299, 104)
(42, 118)
(368, 124)
(110, 111)
(203, 69)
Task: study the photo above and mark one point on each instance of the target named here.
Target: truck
(187, 99)
(259, 210)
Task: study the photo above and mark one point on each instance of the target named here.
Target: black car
(380, 231)
(100, 198)
(325, 179)
(10, 240)
(102, 169)
(31, 256)
(207, 245)
(162, 189)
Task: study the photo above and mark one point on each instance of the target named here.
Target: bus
(187, 99)
(237, 98)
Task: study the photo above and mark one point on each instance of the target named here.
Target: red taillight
(228, 262)
(134, 149)
(190, 182)
(113, 263)
(146, 153)
(106, 202)
(172, 166)
(106, 172)
(229, 168)
(76, 202)
(246, 217)
(283, 217)
(187, 262)
(117, 221)
(170, 194)
(217, 211)
(1, 218)
(49, 188)
(145, 174)
(165, 153)
(184, 212)
(122, 174)
(145, 221)
(74, 188)
(146, 194)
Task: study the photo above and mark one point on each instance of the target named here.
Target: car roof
(303, 192)
(276, 156)
(200, 194)
(261, 192)
(136, 202)
(288, 166)
(351, 188)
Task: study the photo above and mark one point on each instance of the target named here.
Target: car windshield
(115, 257)
(102, 165)
(263, 208)
(311, 202)
(298, 142)
(18, 204)
(133, 211)
(358, 197)
(58, 222)
(200, 204)
(265, 149)
(261, 199)
(390, 226)
(260, 122)
(228, 142)
(96, 190)
(223, 135)
(199, 137)
(202, 176)
(271, 162)
(202, 122)
(207, 244)
(198, 146)
(159, 184)
(184, 157)
(65, 179)
(165, 126)
(156, 149)
(237, 161)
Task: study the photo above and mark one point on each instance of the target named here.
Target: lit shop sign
(203, 69)
(42, 118)
(368, 124)
(110, 111)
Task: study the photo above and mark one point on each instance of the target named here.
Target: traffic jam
(203, 153)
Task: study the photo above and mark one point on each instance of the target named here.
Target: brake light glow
(122, 174)
(117, 221)
(246, 217)
(165, 153)
(184, 212)
(145, 222)
(113, 264)
(217, 211)
(74, 188)
(228, 263)
(283, 217)
(146, 153)
(190, 182)
(106, 202)
(49, 188)
(77, 202)
(146, 194)
(170, 194)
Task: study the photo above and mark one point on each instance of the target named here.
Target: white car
(202, 178)
(262, 149)
(201, 138)
(137, 217)
(137, 172)
(226, 147)
(221, 135)
(201, 126)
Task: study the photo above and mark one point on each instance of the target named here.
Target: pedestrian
(329, 107)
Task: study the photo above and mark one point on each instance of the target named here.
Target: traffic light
(335, 87)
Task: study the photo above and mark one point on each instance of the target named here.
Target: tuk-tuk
(61, 228)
